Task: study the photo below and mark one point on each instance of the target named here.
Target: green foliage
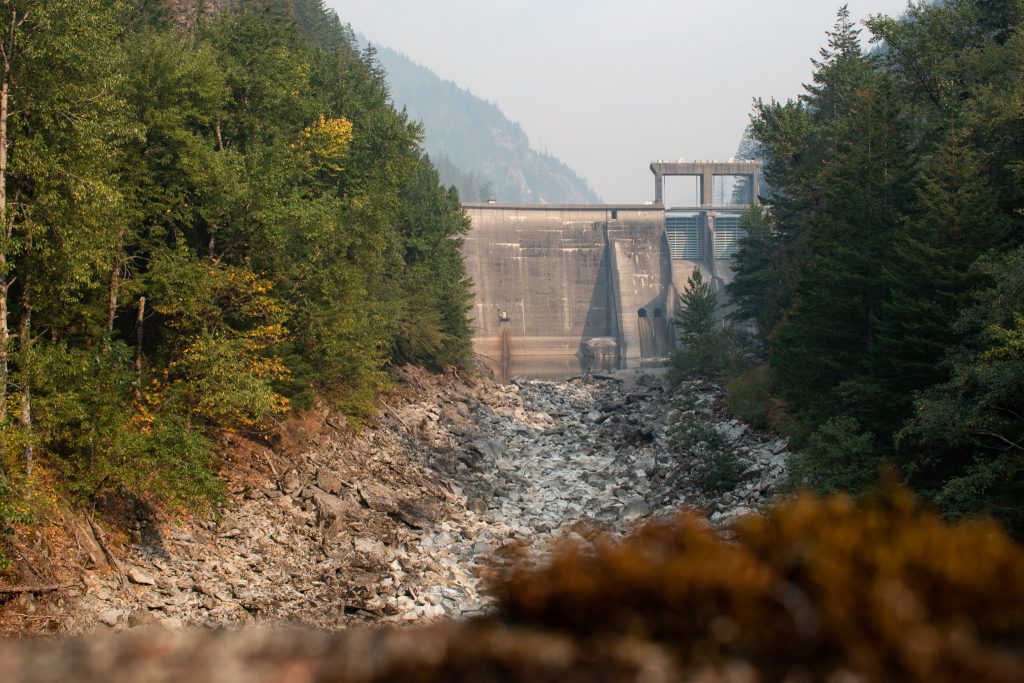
(757, 292)
(970, 427)
(694, 433)
(208, 226)
(717, 471)
(102, 442)
(715, 467)
(223, 327)
(836, 457)
(748, 397)
(888, 178)
(434, 327)
(12, 508)
(697, 307)
(707, 350)
(713, 354)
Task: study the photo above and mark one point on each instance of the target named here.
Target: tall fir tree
(820, 357)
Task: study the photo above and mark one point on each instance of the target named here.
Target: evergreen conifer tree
(698, 305)
(707, 349)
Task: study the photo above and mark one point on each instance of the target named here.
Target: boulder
(136, 575)
(379, 498)
(111, 617)
(332, 512)
(291, 482)
(329, 481)
(488, 447)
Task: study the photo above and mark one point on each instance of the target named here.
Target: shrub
(715, 467)
(10, 514)
(12, 483)
(747, 397)
(693, 433)
(707, 350)
(835, 457)
(711, 354)
(101, 441)
(717, 471)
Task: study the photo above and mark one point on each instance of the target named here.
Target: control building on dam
(603, 280)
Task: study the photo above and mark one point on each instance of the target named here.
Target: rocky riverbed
(332, 527)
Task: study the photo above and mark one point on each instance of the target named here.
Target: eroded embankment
(396, 523)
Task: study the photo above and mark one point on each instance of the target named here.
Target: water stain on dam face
(537, 367)
(551, 366)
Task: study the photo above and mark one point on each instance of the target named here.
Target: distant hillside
(474, 146)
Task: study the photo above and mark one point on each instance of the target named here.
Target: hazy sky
(610, 85)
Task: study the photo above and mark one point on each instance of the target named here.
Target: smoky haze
(608, 86)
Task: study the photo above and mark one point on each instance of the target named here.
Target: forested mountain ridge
(887, 276)
(212, 214)
(474, 145)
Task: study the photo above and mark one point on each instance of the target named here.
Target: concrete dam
(601, 282)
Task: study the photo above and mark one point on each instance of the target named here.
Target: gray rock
(291, 482)
(728, 516)
(635, 509)
(172, 623)
(379, 497)
(488, 447)
(332, 512)
(140, 577)
(110, 617)
(329, 481)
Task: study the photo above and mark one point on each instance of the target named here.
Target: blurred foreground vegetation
(818, 590)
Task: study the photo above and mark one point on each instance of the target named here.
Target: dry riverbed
(399, 522)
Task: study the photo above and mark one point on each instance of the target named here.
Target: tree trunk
(8, 58)
(25, 342)
(5, 335)
(115, 289)
(139, 329)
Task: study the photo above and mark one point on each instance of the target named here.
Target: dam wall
(558, 276)
(603, 281)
